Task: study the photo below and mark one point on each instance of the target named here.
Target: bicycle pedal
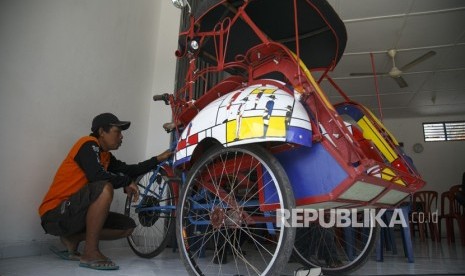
(308, 272)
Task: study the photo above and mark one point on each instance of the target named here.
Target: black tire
(337, 250)
(154, 214)
(220, 216)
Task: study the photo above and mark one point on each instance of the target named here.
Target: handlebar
(163, 97)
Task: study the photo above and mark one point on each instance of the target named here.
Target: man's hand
(132, 189)
(164, 155)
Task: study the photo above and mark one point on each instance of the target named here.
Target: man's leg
(96, 216)
(116, 226)
(87, 218)
(71, 242)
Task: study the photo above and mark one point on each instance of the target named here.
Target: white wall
(61, 63)
(441, 164)
(165, 69)
(64, 61)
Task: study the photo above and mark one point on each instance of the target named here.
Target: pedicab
(256, 135)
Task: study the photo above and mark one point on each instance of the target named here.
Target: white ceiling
(436, 87)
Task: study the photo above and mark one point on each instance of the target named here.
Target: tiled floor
(430, 259)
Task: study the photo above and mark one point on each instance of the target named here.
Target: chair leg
(422, 228)
(390, 236)
(433, 228)
(349, 235)
(461, 222)
(439, 227)
(380, 247)
(412, 228)
(449, 234)
(406, 237)
(452, 231)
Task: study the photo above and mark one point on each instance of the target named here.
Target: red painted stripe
(193, 139)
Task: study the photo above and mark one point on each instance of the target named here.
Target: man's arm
(88, 158)
(133, 170)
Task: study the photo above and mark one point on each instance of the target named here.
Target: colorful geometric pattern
(253, 114)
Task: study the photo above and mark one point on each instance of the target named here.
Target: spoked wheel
(227, 219)
(154, 214)
(338, 249)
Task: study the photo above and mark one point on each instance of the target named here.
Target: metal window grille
(444, 131)
(455, 131)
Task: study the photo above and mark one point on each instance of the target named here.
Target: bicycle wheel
(154, 214)
(337, 250)
(228, 207)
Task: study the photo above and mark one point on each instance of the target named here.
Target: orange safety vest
(69, 178)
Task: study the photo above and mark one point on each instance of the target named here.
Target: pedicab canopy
(321, 33)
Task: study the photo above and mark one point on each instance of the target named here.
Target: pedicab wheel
(227, 214)
(336, 249)
(153, 214)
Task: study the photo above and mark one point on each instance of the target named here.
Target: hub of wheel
(217, 216)
(147, 218)
(234, 218)
(231, 218)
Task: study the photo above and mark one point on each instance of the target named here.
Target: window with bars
(444, 131)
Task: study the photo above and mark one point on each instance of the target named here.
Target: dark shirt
(118, 173)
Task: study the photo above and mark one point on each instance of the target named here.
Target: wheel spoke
(336, 250)
(221, 214)
(153, 214)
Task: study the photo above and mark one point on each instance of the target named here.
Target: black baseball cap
(108, 119)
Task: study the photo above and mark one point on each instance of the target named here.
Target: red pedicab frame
(276, 44)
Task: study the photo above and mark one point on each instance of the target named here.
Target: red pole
(376, 86)
(296, 23)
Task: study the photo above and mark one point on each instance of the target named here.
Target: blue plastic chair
(387, 236)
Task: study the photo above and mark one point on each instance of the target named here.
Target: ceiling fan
(395, 72)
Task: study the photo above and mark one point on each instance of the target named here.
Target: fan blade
(401, 82)
(418, 60)
(366, 74)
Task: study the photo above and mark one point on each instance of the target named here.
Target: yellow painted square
(230, 131)
(276, 127)
(251, 127)
(265, 91)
